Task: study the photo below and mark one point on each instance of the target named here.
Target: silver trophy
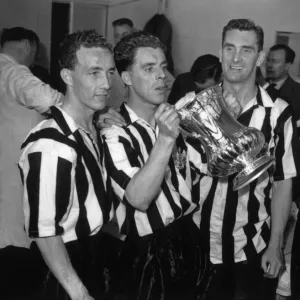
(230, 146)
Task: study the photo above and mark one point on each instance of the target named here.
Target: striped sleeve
(121, 157)
(48, 178)
(287, 147)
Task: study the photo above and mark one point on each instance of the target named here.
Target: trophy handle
(184, 132)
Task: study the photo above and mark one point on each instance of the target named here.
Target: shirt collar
(131, 117)
(65, 122)
(279, 83)
(262, 98)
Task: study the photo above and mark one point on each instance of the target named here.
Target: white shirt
(22, 98)
(279, 84)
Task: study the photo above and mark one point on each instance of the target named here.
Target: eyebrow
(248, 47)
(228, 45)
(100, 69)
(244, 46)
(150, 64)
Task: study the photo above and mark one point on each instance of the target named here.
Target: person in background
(66, 188)
(279, 61)
(243, 230)
(122, 27)
(23, 100)
(206, 71)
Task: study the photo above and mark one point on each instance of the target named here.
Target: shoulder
(47, 138)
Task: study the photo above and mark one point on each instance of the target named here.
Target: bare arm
(272, 259)
(57, 258)
(146, 183)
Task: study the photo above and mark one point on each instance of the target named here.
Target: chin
(99, 106)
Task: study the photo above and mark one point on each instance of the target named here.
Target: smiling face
(91, 77)
(239, 56)
(146, 77)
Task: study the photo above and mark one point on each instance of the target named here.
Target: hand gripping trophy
(230, 146)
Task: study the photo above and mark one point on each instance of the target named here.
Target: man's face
(147, 75)
(276, 66)
(239, 56)
(120, 31)
(91, 77)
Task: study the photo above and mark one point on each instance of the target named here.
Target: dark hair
(125, 50)
(122, 21)
(18, 34)
(72, 43)
(289, 53)
(245, 25)
(205, 67)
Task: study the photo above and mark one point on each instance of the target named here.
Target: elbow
(139, 203)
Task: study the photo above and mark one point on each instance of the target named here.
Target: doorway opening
(60, 27)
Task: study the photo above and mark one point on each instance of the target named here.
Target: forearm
(146, 183)
(57, 258)
(280, 210)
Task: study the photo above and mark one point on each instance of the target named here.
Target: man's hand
(272, 261)
(167, 120)
(108, 117)
(189, 97)
(232, 103)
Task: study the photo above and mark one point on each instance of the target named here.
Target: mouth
(161, 88)
(101, 95)
(236, 68)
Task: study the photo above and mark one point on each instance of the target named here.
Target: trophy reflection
(230, 146)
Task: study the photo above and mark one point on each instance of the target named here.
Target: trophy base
(252, 171)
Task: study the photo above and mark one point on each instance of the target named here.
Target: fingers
(108, 117)
(271, 268)
(264, 264)
(184, 100)
(166, 114)
(115, 112)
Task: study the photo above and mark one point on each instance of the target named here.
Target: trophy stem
(252, 170)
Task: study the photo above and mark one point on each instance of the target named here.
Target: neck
(142, 108)
(275, 80)
(83, 117)
(244, 92)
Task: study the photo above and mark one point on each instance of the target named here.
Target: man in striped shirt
(243, 229)
(152, 170)
(65, 181)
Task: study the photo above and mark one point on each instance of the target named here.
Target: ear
(66, 76)
(220, 55)
(287, 66)
(27, 46)
(261, 58)
(126, 77)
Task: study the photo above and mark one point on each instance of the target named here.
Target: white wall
(198, 24)
(36, 15)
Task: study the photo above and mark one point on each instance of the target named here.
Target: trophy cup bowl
(230, 146)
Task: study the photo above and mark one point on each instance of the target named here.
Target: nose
(236, 56)
(105, 82)
(161, 73)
